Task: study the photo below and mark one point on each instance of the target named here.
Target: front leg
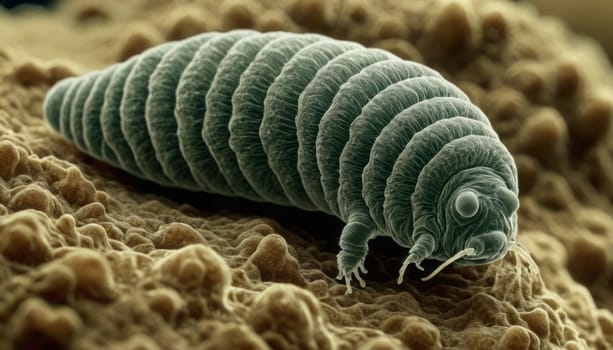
(354, 247)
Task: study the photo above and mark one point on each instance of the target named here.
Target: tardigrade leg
(421, 250)
(354, 247)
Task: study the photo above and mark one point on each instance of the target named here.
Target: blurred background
(589, 17)
(9, 4)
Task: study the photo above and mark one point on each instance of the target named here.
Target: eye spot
(467, 204)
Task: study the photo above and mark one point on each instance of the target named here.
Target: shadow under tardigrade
(320, 229)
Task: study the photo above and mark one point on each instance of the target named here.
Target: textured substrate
(93, 258)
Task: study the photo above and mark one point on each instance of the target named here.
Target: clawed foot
(405, 264)
(349, 272)
(354, 247)
(422, 249)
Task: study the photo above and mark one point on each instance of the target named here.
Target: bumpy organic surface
(431, 146)
(91, 257)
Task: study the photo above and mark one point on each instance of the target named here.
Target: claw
(363, 268)
(405, 264)
(422, 249)
(348, 284)
(356, 273)
(348, 275)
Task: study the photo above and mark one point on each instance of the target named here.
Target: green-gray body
(300, 120)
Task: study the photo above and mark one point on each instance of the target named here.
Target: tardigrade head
(480, 219)
(476, 218)
(474, 222)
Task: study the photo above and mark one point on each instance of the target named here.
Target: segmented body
(291, 119)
